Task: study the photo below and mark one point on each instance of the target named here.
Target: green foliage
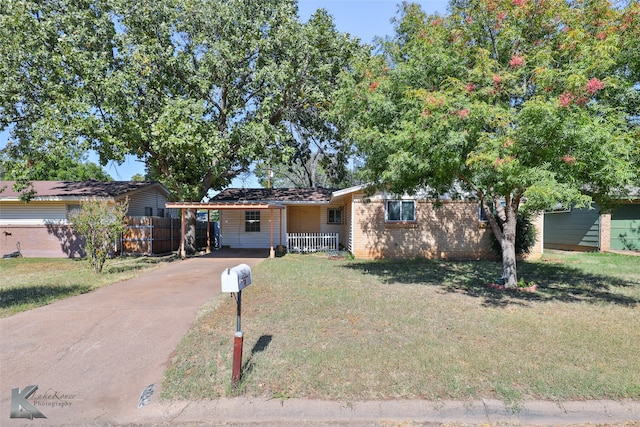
(99, 223)
(198, 90)
(139, 178)
(54, 61)
(305, 172)
(513, 100)
(44, 167)
(314, 152)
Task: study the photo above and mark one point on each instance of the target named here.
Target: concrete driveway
(92, 355)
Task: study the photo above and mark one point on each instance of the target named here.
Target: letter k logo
(21, 407)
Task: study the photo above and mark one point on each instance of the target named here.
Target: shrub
(100, 223)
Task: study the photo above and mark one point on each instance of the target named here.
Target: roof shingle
(313, 195)
(76, 189)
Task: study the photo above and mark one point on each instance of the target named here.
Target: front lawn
(33, 282)
(353, 330)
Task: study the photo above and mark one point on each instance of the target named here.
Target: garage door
(625, 228)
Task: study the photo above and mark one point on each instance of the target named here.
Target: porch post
(208, 232)
(281, 210)
(272, 253)
(183, 252)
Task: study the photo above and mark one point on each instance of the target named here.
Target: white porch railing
(312, 242)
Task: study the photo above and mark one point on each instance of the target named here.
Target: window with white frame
(252, 221)
(334, 216)
(400, 210)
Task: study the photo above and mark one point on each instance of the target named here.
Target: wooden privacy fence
(152, 235)
(312, 242)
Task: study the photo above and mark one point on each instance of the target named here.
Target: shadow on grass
(38, 295)
(556, 282)
(131, 264)
(260, 346)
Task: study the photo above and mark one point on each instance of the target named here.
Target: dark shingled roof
(314, 195)
(77, 189)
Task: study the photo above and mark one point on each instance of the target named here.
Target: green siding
(625, 228)
(579, 227)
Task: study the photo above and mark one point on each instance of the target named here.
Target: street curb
(284, 412)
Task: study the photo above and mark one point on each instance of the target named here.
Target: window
(161, 212)
(252, 221)
(401, 210)
(558, 208)
(482, 214)
(148, 211)
(334, 216)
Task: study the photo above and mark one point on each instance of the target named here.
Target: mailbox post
(234, 280)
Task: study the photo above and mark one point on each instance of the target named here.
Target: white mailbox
(236, 278)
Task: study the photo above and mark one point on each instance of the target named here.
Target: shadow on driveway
(236, 253)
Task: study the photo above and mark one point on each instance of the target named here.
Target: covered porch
(296, 219)
(312, 228)
(236, 207)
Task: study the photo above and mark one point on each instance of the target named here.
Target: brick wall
(46, 241)
(537, 250)
(450, 230)
(605, 232)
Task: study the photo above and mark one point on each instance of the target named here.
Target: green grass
(394, 329)
(33, 282)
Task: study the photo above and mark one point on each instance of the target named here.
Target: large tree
(314, 152)
(523, 103)
(198, 90)
(312, 165)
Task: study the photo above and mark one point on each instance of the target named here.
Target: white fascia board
(349, 190)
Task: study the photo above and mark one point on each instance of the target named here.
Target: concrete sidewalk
(92, 356)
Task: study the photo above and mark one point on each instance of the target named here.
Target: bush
(99, 222)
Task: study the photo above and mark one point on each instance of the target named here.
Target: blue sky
(365, 19)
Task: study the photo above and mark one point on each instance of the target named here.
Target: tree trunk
(507, 214)
(508, 244)
(190, 232)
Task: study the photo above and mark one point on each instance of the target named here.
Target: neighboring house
(377, 226)
(593, 230)
(40, 228)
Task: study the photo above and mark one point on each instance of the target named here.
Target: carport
(226, 206)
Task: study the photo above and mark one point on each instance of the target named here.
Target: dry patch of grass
(33, 282)
(354, 330)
